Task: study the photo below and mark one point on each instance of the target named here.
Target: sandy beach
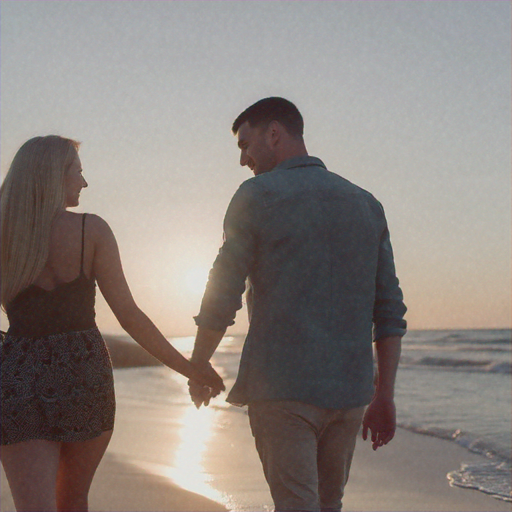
(167, 456)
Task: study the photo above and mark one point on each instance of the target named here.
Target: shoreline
(167, 456)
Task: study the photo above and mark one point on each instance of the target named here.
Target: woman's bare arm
(108, 270)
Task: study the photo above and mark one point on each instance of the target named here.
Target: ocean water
(456, 385)
(453, 384)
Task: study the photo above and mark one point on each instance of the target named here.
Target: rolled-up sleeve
(389, 308)
(226, 281)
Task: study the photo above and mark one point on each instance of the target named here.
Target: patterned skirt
(58, 387)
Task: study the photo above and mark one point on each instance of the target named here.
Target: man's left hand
(380, 419)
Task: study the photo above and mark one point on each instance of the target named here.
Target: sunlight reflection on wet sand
(187, 469)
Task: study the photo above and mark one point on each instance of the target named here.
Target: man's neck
(292, 151)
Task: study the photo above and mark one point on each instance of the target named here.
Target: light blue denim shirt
(317, 253)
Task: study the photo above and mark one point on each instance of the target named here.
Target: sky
(410, 100)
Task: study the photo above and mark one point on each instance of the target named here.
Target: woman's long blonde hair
(32, 193)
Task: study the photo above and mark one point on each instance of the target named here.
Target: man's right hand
(207, 384)
(207, 376)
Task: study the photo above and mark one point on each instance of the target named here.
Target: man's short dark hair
(265, 111)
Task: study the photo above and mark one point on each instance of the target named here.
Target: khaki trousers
(306, 452)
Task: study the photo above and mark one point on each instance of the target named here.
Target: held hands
(201, 394)
(210, 385)
(380, 418)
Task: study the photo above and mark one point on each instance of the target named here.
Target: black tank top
(37, 312)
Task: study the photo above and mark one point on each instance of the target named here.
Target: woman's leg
(31, 469)
(78, 463)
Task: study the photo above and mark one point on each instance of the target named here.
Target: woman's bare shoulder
(97, 226)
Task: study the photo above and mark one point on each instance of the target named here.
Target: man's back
(317, 253)
(314, 246)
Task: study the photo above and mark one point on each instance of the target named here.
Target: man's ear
(274, 132)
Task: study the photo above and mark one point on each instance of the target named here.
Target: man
(317, 253)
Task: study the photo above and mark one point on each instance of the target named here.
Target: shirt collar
(300, 161)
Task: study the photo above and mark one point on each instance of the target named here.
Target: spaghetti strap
(83, 239)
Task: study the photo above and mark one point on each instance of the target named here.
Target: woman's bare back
(63, 264)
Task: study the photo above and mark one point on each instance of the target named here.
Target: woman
(58, 401)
